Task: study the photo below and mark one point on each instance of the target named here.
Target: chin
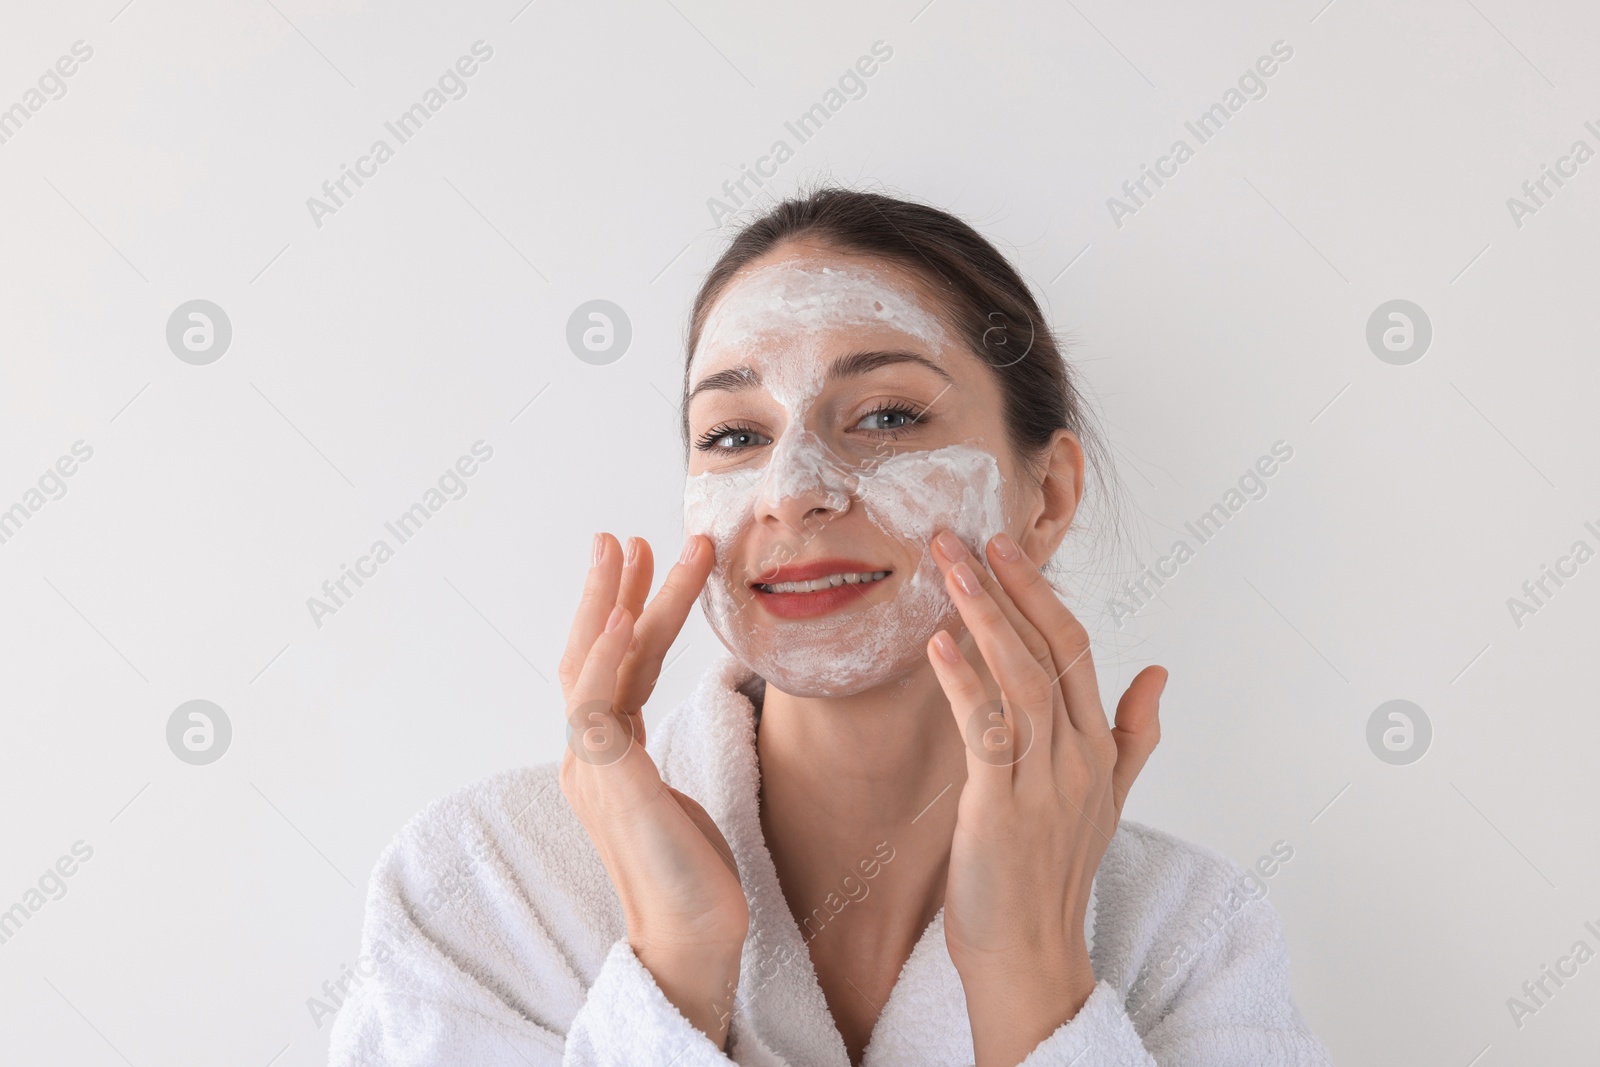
(815, 688)
(817, 685)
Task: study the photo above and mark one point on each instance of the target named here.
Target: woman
(885, 829)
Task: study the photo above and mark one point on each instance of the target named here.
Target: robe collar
(780, 1013)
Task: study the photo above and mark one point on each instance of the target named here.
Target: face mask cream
(774, 319)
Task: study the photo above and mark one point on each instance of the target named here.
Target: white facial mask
(773, 318)
(909, 496)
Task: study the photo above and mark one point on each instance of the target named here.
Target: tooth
(832, 581)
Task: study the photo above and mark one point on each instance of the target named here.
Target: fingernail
(966, 579)
(950, 545)
(631, 553)
(946, 647)
(691, 548)
(615, 620)
(599, 550)
(1006, 548)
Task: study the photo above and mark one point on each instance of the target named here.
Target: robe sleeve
(628, 1020)
(1213, 992)
(466, 960)
(625, 1021)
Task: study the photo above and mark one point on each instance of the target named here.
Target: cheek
(719, 505)
(913, 494)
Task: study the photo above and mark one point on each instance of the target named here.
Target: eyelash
(707, 441)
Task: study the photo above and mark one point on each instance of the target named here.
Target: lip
(821, 601)
(816, 568)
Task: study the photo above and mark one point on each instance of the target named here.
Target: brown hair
(985, 299)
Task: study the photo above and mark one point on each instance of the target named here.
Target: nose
(802, 482)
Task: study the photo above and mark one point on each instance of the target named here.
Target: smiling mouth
(816, 585)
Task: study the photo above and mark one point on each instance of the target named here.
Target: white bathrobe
(494, 938)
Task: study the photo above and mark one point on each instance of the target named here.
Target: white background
(372, 351)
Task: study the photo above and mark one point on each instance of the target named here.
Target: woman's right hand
(686, 911)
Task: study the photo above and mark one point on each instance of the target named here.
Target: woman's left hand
(1046, 779)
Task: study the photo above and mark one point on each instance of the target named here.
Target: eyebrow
(854, 365)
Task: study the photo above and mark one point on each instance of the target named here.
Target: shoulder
(1192, 943)
(481, 818)
(518, 816)
(1162, 865)
(488, 907)
(512, 834)
(504, 849)
(1158, 895)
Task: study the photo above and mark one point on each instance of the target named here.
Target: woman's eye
(886, 420)
(736, 439)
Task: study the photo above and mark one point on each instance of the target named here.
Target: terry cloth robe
(493, 937)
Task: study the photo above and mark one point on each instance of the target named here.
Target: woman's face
(836, 422)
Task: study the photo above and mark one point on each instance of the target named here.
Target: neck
(842, 776)
(879, 756)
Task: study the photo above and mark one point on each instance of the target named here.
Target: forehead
(792, 305)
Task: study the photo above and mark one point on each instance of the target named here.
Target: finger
(990, 744)
(954, 550)
(1023, 682)
(1138, 729)
(1034, 774)
(663, 619)
(593, 705)
(599, 597)
(1068, 640)
(638, 568)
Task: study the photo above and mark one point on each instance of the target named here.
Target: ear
(1054, 501)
